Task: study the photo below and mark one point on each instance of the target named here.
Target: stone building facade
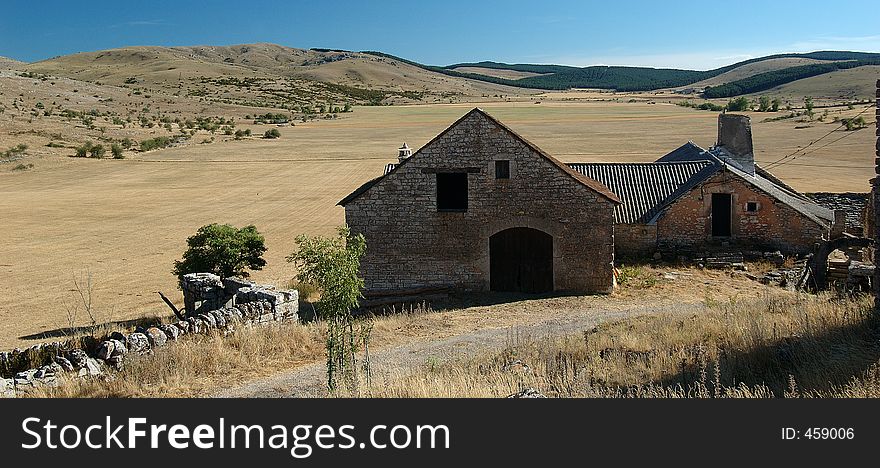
(757, 220)
(694, 201)
(480, 208)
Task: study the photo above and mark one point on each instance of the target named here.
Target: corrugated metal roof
(646, 188)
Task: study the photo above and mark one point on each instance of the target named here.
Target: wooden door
(521, 260)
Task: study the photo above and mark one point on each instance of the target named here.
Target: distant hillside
(7, 63)
(277, 73)
(771, 79)
(557, 77)
(288, 75)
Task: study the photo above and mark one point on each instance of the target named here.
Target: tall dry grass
(776, 346)
(199, 365)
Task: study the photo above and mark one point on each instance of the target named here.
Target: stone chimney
(404, 152)
(735, 137)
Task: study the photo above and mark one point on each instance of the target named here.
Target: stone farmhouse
(480, 208)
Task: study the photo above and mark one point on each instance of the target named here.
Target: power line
(815, 149)
(781, 160)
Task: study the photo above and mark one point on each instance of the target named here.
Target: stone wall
(852, 204)
(633, 241)
(875, 182)
(685, 227)
(410, 244)
(206, 291)
(90, 356)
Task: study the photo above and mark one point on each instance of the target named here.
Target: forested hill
(559, 77)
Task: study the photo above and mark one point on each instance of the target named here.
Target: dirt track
(310, 380)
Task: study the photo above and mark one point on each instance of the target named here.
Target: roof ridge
(593, 184)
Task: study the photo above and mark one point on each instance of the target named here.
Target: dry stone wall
(85, 357)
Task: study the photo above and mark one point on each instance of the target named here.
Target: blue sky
(688, 34)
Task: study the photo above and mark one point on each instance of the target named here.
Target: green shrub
(83, 150)
(271, 134)
(97, 151)
(223, 250)
(116, 150)
(739, 104)
(155, 143)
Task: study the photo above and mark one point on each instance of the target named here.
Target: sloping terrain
(754, 68)
(739, 78)
(270, 74)
(853, 84)
(497, 72)
(7, 63)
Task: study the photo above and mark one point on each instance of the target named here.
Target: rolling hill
(269, 75)
(272, 68)
(7, 63)
(732, 80)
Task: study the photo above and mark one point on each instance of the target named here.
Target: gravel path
(310, 380)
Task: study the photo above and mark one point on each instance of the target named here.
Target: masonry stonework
(686, 226)
(634, 241)
(411, 244)
(875, 199)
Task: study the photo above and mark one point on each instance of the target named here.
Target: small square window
(502, 169)
(752, 207)
(452, 191)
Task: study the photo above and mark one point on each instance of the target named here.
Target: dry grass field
(776, 346)
(125, 221)
(254, 360)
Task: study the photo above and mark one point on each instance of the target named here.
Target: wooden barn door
(521, 260)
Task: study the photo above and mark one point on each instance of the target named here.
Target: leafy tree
(97, 151)
(116, 151)
(774, 105)
(273, 133)
(332, 265)
(223, 250)
(739, 104)
(808, 103)
(764, 104)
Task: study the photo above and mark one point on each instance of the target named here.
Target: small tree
(739, 104)
(97, 151)
(764, 104)
(332, 265)
(774, 105)
(223, 250)
(273, 133)
(808, 103)
(116, 151)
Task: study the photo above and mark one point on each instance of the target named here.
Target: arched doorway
(521, 260)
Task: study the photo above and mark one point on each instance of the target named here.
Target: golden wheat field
(126, 221)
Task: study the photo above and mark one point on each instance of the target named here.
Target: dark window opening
(452, 191)
(721, 214)
(752, 207)
(502, 169)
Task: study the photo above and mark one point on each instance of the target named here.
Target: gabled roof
(592, 184)
(646, 188)
(762, 180)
